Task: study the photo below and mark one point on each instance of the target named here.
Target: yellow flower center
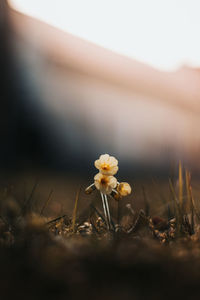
(105, 167)
(104, 181)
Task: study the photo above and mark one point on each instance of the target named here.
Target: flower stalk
(107, 184)
(106, 210)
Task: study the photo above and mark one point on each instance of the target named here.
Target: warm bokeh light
(164, 34)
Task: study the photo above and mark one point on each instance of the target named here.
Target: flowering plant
(107, 184)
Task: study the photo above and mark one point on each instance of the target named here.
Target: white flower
(124, 189)
(105, 183)
(107, 164)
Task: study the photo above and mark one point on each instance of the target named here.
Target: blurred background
(81, 78)
(84, 78)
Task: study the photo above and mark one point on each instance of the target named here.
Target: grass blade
(46, 203)
(180, 180)
(75, 209)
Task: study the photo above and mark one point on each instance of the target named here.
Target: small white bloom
(107, 164)
(105, 183)
(124, 189)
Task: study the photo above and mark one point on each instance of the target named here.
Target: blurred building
(65, 101)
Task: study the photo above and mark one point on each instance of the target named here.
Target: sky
(163, 33)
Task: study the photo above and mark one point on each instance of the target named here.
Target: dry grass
(147, 256)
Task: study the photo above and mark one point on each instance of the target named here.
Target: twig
(56, 219)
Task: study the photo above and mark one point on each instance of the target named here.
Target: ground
(74, 256)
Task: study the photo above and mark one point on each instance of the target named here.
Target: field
(152, 250)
